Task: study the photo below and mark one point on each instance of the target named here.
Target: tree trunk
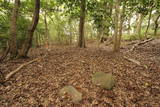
(119, 16)
(12, 48)
(149, 20)
(156, 25)
(46, 30)
(29, 36)
(81, 42)
(70, 31)
(141, 17)
(129, 26)
(135, 26)
(116, 19)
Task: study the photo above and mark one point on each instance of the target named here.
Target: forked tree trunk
(156, 25)
(81, 41)
(29, 36)
(149, 20)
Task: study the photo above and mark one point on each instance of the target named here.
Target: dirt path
(38, 84)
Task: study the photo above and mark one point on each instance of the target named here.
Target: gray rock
(75, 95)
(103, 80)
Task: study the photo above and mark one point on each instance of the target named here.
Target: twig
(133, 60)
(8, 76)
(136, 62)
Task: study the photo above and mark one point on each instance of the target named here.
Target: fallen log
(8, 76)
(135, 62)
(140, 43)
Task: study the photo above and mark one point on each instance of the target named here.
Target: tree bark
(119, 16)
(149, 20)
(81, 42)
(29, 36)
(46, 30)
(70, 31)
(141, 17)
(12, 48)
(129, 26)
(116, 20)
(156, 25)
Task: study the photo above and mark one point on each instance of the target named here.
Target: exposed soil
(38, 83)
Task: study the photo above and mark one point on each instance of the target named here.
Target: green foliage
(60, 13)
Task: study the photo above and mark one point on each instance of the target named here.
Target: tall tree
(12, 48)
(81, 42)
(139, 25)
(29, 36)
(13, 32)
(118, 22)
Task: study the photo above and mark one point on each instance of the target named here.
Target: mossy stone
(103, 80)
(76, 96)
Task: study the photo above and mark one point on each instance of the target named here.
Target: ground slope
(38, 84)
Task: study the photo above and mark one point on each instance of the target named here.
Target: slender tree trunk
(99, 36)
(135, 26)
(29, 36)
(149, 20)
(129, 26)
(156, 25)
(46, 30)
(81, 42)
(70, 31)
(139, 26)
(119, 16)
(116, 20)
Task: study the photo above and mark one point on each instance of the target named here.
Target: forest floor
(38, 84)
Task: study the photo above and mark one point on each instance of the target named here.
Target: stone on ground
(103, 80)
(75, 95)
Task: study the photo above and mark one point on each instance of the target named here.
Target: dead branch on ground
(140, 43)
(135, 62)
(8, 76)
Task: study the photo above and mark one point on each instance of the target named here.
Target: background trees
(74, 22)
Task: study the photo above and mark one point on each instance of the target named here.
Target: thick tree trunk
(81, 42)
(156, 25)
(29, 36)
(149, 20)
(12, 48)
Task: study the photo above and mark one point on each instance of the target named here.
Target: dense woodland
(82, 53)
